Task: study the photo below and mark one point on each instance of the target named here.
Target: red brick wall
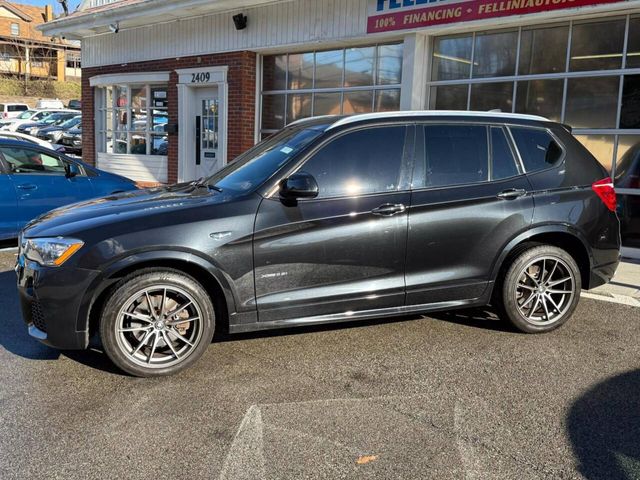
(241, 102)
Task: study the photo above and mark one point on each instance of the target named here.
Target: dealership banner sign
(388, 15)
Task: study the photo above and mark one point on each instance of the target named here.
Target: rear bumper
(54, 305)
(603, 274)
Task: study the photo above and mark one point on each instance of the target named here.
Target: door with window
(469, 196)
(343, 251)
(208, 156)
(8, 206)
(41, 182)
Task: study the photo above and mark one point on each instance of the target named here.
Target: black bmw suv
(331, 219)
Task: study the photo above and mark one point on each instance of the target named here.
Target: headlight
(56, 135)
(51, 252)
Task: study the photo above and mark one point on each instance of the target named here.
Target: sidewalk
(625, 286)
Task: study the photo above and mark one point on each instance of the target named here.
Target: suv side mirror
(299, 185)
(71, 170)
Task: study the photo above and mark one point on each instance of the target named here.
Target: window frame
(272, 187)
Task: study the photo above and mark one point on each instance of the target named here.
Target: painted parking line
(612, 298)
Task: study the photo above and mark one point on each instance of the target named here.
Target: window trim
(272, 186)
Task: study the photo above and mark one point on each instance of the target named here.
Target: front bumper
(55, 303)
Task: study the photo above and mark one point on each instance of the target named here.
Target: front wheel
(157, 322)
(540, 290)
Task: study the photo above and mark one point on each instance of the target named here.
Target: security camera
(240, 21)
(114, 27)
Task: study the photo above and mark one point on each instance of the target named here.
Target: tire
(146, 343)
(532, 296)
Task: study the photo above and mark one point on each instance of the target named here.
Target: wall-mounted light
(114, 27)
(240, 21)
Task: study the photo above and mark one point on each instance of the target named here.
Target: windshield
(71, 123)
(258, 164)
(26, 115)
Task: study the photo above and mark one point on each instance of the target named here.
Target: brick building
(26, 51)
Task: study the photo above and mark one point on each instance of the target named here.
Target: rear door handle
(27, 186)
(512, 193)
(389, 209)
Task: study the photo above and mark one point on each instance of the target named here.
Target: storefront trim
(129, 78)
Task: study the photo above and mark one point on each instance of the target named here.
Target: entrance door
(208, 158)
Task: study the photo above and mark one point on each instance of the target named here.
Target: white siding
(142, 168)
(271, 26)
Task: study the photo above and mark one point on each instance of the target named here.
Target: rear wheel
(540, 290)
(157, 323)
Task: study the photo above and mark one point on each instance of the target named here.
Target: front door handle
(27, 186)
(389, 209)
(512, 194)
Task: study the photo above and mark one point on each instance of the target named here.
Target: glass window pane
(108, 92)
(630, 113)
(629, 215)
(449, 97)
(359, 66)
(300, 71)
(454, 154)
(625, 143)
(597, 46)
(364, 161)
(495, 54)
(592, 102)
(329, 68)
(298, 107)
(138, 108)
(540, 97)
(120, 142)
(122, 119)
(108, 142)
(273, 111)
(504, 163)
(628, 176)
(274, 72)
(159, 145)
(390, 64)
(600, 146)
(492, 96)
(326, 104)
(120, 95)
(537, 148)
(159, 97)
(138, 144)
(633, 46)
(387, 100)
(451, 58)
(543, 50)
(357, 102)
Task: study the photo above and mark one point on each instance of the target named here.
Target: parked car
(75, 105)
(628, 177)
(332, 219)
(29, 139)
(32, 128)
(53, 133)
(72, 140)
(34, 180)
(44, 103)
(30, 116)
(12, 110)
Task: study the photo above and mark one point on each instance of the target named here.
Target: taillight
(604, 189)
(5, 115)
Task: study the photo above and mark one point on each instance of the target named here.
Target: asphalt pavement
(455, 395)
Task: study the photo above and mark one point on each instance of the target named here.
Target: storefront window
(543, 50)
(449, 97)
(597, 45)
(630, 112)
(633, 43)
(540, 97)
(592, 102)
(601, 147)
(492, 96)
(132, 119)
(333, 82)
(495, 54)
(452, 57)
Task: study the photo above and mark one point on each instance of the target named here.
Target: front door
(208, 158)
(8, 207)
(345, 250)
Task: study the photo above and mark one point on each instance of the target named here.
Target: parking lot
(447, 396)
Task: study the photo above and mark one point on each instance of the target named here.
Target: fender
(108, 276)
(538, 230)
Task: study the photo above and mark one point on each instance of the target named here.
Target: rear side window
(454, 154)
(537, 147)
(504, 164)
(17, 108)
(360, 162)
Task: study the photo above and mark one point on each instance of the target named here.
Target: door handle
(512, 193)
(27, 186)
(389, 209)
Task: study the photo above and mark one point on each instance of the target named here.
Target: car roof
(335, 121)
(10, 142)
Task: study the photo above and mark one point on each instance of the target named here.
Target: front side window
(538, 149)
(503, 162)
(453, 155)
(24, 160)
(360, 162)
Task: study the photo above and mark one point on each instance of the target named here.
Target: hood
(51, 128)
(128, 207)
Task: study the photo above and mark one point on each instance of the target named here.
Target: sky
(73, 4)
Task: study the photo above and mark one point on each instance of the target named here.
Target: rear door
(40, 182)
(470, 197)
(343, 251)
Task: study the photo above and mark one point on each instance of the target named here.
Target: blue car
(34, 180)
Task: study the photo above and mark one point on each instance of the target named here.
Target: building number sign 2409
(200, 77)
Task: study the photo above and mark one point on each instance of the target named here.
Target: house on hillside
(25, 52)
